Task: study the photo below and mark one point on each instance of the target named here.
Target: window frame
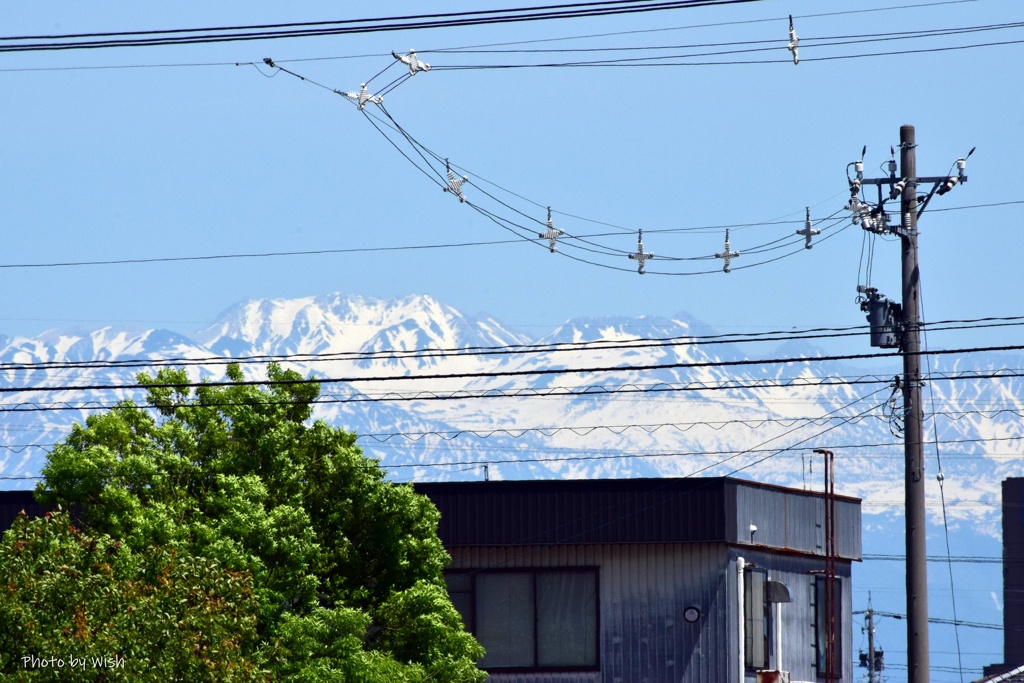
(750, 618)
(534, 572)
(818, 592)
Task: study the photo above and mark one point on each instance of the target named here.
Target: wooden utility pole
(913, 435)
(893, 326)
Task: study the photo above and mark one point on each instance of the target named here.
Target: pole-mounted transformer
(885, 318)
(899, 326)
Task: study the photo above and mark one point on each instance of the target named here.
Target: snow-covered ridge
(615, 428)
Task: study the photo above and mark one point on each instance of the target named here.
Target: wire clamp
(412, 61)
(551, 234)
(454, 182)
(794, 42)
(808, 231)
(362, 97)
(640, 256)
(727, 255)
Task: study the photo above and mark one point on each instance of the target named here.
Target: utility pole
(872, 661)
(913, 436)
(895, 326)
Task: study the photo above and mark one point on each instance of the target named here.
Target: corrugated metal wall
(643, 592)
(793, 520)
(579, 511)
(639, 511)
(644, 589)
(798, 617)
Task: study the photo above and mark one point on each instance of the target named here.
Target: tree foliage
(123, 616)
(345, 567)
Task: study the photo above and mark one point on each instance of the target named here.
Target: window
(530, 619)
(820, 620)
(755, 614)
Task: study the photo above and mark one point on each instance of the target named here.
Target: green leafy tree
(79, 607)
(346, 567)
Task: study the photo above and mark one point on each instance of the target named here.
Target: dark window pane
(505, 619)
(755, 631)
(567, 619)
(460, 590)
(821, 618)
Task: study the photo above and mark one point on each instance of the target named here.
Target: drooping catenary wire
(413, 247)
(942, 491)
(528, 235)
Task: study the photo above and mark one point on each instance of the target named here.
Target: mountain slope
(595, 397)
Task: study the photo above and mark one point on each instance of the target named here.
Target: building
(13, 503)
(648, 580)
(1015, 675)
(1013, 581)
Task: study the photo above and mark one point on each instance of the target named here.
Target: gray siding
(638, 511)
(793, 520)
(798, 573)
(643, 591)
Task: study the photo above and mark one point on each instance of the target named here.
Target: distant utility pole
(893, 326)
(874, 659)
(871, 643)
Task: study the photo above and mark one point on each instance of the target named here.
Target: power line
(589, 454)
(193, 36)
(651, 428)
(469, 47)
(953, 622)
(512, 373)
(453, 245)
(806, 41)
(512, 349)
(528, 234)
(964, 559)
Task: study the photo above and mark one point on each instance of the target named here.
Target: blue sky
(138, 163)
(146, 161)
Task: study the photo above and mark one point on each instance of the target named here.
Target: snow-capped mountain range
(435, 394)
(491, 395)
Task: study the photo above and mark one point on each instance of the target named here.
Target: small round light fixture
(691, 614)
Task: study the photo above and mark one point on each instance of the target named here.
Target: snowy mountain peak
(337, 322)
(652, 389)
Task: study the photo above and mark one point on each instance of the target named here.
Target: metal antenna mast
(893, 327)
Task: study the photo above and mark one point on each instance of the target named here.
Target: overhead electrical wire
(452, 49)
(764, 46)
(719, 24)
(373, 451)
(516, 349)
(453, 245)
(759, 451)
(650, 428)
(966, 559)
(585, 454)
(585, 430)
(529, 234)
(510, 373)
(804, 42)
(207, 35)
(583, 391)
(571, 241)
(942, 498)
